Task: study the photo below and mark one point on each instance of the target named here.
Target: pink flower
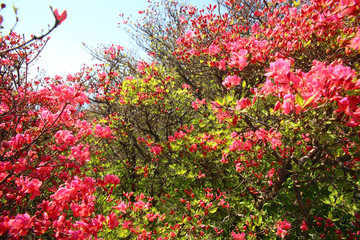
(277, 106)
(172, 234)
(63, 93)
(198, 103)
(18, 141)
(268, 88)
(126, 224)
(304, 226)
(179, 134)
(262, 134)
(112, 179)
(59, 18)
(113, 222)
(231, 81)
(85, 128)
(282, 227)
(201, 175)
(214, 49)
(156, 150)
(355, 42)
(62, 194)
(47, 116)
(4, 224)
(121, 207)
(81, 210)
(182, 19)
(238, 236)
(288, 104)
(344, 104)
(217, 231)
(102, 75)
(239, 145)
(29, 186)
(139, 205)
(80, 154)
(255, 28)
(186, 86)
(239, 167)
(238, 59)
(193, 148)
(243, 103)
(349, 7)
(191, 10)
(222, 64)
(64, 137)
(141, 67)
(6, 61)
(279, 67)
(20, 224)
(271, 173)
(152, 217)
(192, 51)
(103, 132)
(189, 35)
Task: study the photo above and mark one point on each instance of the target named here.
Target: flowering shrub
(243, 123)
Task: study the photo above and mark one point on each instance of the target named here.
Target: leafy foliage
(243, 123)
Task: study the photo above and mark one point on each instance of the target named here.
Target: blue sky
(89, 21)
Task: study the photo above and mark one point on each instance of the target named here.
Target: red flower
(282, 227)
(243, 103)
(20, 224)
(60, 18)
(355, 42)
(113, 222)
(156, 150)
(238, 236)
(231, 81)
(304, 226)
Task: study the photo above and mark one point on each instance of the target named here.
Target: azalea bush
(242, 123)
(44, 191)
(270, 147)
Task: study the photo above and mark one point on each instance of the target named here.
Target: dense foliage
(242, 122)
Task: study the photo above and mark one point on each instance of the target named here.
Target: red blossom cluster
(250, 130)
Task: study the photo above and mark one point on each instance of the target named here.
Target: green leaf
(191, 175)
(296, 3)
(326, 201)
(202, 124)
(332, 199)
(181, 171)
(349, 196)
(213, 210)
(299, 100)
(229, 98)
(332, 190)
(307, 43)
(340, 199)
(309, 100)
(329, 137)
(122, 233)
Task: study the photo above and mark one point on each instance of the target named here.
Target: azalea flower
(59, 18)
(282, 227)
(231, 81)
